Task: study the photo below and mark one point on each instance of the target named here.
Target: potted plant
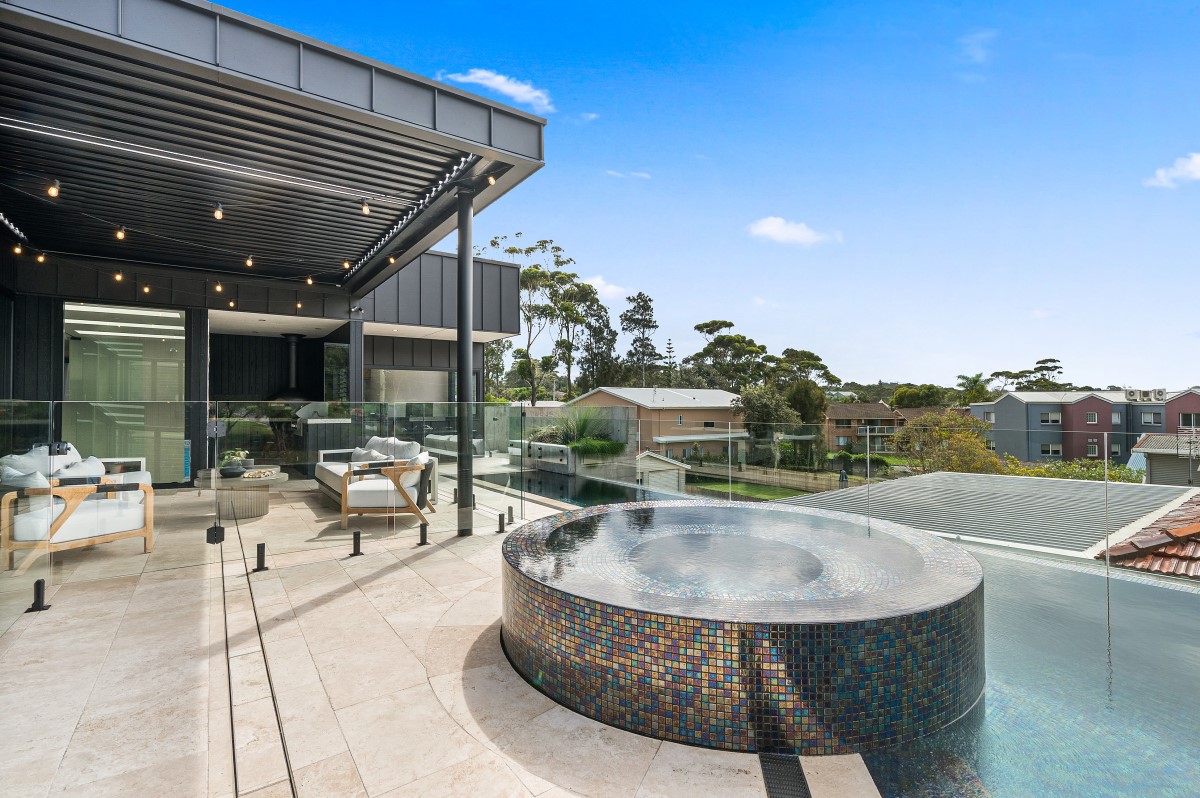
(232, 464)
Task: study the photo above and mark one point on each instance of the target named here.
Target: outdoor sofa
(386, 476)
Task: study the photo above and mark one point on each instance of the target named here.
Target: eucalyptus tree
(572, 304)
(639, 323)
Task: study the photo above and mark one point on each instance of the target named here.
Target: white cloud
(976, 48)
(638, 175)
(782, 231)
(589, 117)
(605, 289)
(1184, 170)
(1041, 314)
(520, 91)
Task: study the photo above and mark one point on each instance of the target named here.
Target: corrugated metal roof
(672, 398)
(1156, 443)
(1064, 514)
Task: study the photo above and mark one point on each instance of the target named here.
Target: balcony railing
(877, 430)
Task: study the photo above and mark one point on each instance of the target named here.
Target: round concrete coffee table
(241, 498)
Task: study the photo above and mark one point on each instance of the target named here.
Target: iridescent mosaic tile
(746, 627)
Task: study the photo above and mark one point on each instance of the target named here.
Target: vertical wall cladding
(37, 349)
(6, 345)
(253, 367)
(381, 352)
(425, 293)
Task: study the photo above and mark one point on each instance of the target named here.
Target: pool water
(1086, 695)
(580, 491)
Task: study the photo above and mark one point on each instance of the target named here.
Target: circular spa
(744, 626)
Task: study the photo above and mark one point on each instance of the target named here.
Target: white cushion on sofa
(376, 493)
(91, 467)
(360, 456)
(394, 448)
(90, 519)
(411, 479)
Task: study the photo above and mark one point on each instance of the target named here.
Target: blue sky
(913, 191)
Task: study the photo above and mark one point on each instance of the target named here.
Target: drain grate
(783, 776)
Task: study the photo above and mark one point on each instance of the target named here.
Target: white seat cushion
(89, 520)
(330, 473)
(91, 467)
(376, 492)
(394, 448)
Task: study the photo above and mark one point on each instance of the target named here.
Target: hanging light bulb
(145, 289)
(345, 264)
(17, 249)
(119, 276)
(309, 279)
(366, 209)
(219, 213)
(219, 288)
(249, 261)
(299, 305)
(391, 258)
(121, 233)
(54, 188)
(491, 180)
(41, 258)
(232, 303)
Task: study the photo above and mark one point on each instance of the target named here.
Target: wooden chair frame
(73, 496)
(392, 472)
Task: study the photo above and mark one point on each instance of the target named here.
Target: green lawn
(748, 489)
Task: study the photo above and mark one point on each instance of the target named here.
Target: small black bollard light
(357, 544)
(39, 597)
(500, 529)
(424, 535)
(261, 559)
(216, 534)
(510, 514)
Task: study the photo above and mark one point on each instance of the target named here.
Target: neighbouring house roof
(1168, 545)
(664, 459)
(1164, 443)
(1070, 397)
(909, 413)
(669, 398)
(1059, 514)
(701, 437)
(858, 410)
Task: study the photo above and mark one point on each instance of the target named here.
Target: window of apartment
(1151, 418)
(1093, 450)
(1052, 450)
(1116, 418)
(670, 452)
(843, 440)
(1051, 418)
(989, 416)
(1114, 449)
(1092, 418)
(679, 421)
(842, 423)
(990, 444)
(1189, 419)
(709, 424)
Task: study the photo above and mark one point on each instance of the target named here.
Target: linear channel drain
(783, 776)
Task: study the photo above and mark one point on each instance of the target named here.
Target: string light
(299, 305)
(121, 233)
(309, 280)
(232, 303)
(391, 258)
(145, 289)
(219, 287)
(41, 258)
(219, 213)
(366, 209)
(249, 261)
(345, 264)
(491, 180)
(54, 188)
(17, 249)
(119, 276)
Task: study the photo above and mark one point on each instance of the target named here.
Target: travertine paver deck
(386, 669)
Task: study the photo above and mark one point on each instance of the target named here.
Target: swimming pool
(576, 490)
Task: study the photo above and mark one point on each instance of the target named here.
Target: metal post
(510, 514)
(500, 529)
(260, 558)
(39, 597)
(466, 376)
(424, 535)
(357, 544)
(868, 482)
(454, 498)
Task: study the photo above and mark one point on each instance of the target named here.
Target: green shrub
(597, 447)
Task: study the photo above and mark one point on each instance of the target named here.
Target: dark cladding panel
(509, 300)
(408, 288)
(160, 289)
(259, 54)
(422, 353)
(337, 306)
(78, 281)
(312, 304)
(37, 281)
(431, 292)
(252, 298)
(6, 348)
(99, 14)
(516, 135)
(123, 290)
(187, 291)
(403, 348)
(173, 27)
(449, 291)
(462, 118)
(282, 302)
(477, 296)
(441, 355)
(403, 99)
(336, 78)
(490, 302)
(385, 299)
